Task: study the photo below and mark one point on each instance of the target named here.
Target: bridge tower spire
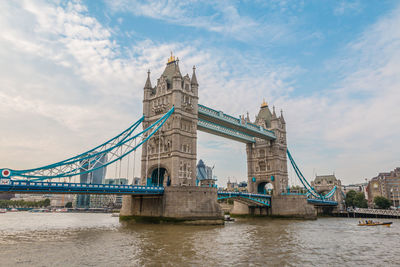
(266, 160)
(178, 137)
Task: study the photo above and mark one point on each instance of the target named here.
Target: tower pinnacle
(171, 59)
(194, 79)
(264, 104)
(148, 82)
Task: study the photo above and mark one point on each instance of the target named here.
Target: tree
(360, 201)
(382, 202)
(46, 202)
(350, 198)
(356, 199)
(68, 205)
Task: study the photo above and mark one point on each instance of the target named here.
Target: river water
(84, 239)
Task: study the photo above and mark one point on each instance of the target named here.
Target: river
(87, 239)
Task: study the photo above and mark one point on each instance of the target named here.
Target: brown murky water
(65, 239)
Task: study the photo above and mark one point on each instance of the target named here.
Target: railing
(230, 119)
(322, 202)
(261, 199)
(58, 187)
(225, 130)
(376, 211)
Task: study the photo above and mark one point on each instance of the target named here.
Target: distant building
(117, 199)
(6, 196)
(386, 184)
(204, 175)
(323, 184)
(236, 187)
(94, 177)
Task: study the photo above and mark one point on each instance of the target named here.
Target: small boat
(372, 223)
(228, 218)
(3, 210)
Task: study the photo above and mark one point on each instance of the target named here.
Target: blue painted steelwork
(116, 149)
(260, 199)
(217, 129)
(305, 183)
(322, 202)
(294, 194)
(221, 119)
(8, 185)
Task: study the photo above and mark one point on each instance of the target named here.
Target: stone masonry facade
(173, 147)
(266, 160)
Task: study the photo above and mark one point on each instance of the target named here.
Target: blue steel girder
(322, 202)
(113, 150)
(210, 127)
(76, 188)
(227, 121)
(250, 199)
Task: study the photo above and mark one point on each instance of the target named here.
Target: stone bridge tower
(169, 157)
(266, 160)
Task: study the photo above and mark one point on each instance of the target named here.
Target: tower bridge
(171, 118)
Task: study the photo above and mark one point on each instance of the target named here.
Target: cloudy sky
(72, 73)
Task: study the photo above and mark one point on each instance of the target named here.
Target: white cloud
(347, 6)
(222, 17)
(68, 86)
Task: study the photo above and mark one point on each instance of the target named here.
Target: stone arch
(159, 176)
(265, 188)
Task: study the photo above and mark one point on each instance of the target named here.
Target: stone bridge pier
(169, 157)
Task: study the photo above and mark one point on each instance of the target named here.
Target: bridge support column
(292, 206)
(188, 205)
(244, 209)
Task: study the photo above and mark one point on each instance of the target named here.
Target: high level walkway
(219, 123)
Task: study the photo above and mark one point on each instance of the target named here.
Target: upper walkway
(219, 123)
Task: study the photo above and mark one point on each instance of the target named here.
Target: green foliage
(356, 199)
(46, 202)
(24, 204)
(68, 205)
(360, 201)
(382, 202)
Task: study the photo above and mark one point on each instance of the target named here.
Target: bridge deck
(249, 198)
(76, 188)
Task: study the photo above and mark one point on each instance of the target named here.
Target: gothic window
(262, 153)
(187, 87)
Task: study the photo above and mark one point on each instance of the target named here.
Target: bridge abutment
(188, 205)
(293, 206)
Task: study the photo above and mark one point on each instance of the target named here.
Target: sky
(72, 76)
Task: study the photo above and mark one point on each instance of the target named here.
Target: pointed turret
(194, 79)
(273, 113)
(148, 82)
(264, 116)
(281, 118)
(247, 117)
(177, 73)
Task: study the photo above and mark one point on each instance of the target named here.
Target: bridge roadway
(7, 185)
(219, 123)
